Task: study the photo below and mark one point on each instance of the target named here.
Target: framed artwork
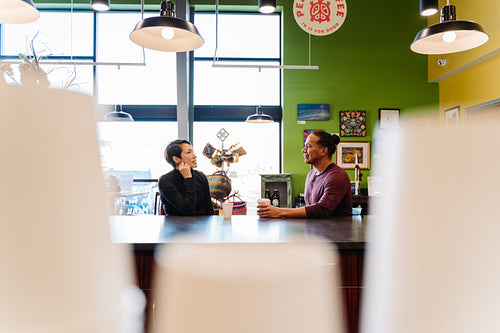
(347, 152)
(487, 111)
(452, 116)
(352, 123)
(313, 112)
(388, 118)
(307, 132)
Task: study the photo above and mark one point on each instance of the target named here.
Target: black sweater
(185, 196)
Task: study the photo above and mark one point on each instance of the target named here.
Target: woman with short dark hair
(184, 191)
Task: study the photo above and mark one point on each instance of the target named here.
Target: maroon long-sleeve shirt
(328, 194)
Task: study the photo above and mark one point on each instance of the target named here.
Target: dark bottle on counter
(267, 194)
(275, 198)
(300, 201)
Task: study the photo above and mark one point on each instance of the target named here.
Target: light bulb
(429, 12)
(167, 33)
(267, 9)
(449, 36)
(100, 7)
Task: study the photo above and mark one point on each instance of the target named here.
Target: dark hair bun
(336, 139)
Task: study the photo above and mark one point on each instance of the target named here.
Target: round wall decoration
(320, 17)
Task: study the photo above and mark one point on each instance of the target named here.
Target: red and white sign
(320, 17)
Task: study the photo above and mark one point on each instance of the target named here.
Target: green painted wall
(366, 65)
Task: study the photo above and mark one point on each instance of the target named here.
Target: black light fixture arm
(167, 9)
(448, 13)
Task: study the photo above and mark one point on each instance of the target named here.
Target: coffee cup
(263, 201)
(227, 210)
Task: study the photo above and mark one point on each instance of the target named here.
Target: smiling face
(187, 156)
(313, 152)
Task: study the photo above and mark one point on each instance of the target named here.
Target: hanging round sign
(319, 17)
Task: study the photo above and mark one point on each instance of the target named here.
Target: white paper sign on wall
(320, 17)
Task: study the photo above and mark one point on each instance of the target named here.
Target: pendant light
(428, 7)
(267, 6)
(259, 117)
(18, 11)
(450, 35)
(166, 32)
(118, 115)
(100, 5)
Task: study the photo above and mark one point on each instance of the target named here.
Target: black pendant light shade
(166, 32)
(449, 36)
(100, 5)
(18, 11)
(259, 117)
(118, 115)
(428, 7)
(267, 6)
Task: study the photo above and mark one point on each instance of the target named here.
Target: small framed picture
(388, 118)
(313, 112)
(352, 123)
(347, 152)
(452, 116)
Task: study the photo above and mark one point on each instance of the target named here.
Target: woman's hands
(185, 170)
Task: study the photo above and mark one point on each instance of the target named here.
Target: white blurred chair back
(248, 288)
(432, 261)
(60, 272)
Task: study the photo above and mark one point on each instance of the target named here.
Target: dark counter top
(146, 231)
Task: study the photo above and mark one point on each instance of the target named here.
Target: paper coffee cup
(227, 209)
(263, 201)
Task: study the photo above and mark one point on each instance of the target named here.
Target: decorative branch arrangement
(31, 74)
(220, 184)
(219, 157)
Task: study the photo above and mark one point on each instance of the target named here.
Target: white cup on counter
(227, 210)
(263, 201)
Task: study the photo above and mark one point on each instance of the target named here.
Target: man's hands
(185, 170)
(265, 210)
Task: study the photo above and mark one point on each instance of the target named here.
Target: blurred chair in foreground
(432, 262)
(248, 288)
(59, 270)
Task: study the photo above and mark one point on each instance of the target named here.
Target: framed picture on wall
(313, 112)
(388, 118)
(347, 152)
(452, 116)
(352, 123)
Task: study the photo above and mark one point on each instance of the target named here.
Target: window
(222, 93)
(241, 35)
(59, 33)
(136, 146)
(242, 39)
(262, 154)
(234, 86)
(55, 36)
(153, 84)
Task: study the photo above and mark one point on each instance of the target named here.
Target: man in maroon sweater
(327, 188)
